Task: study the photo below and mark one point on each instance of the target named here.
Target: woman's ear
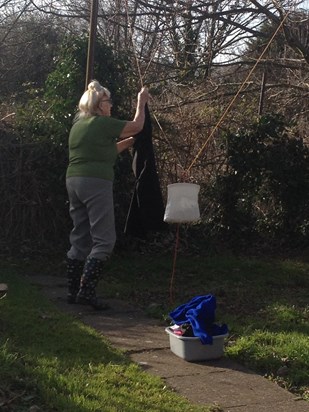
(100, 106)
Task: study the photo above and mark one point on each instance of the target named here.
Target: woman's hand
(143, 95)
(136, 125)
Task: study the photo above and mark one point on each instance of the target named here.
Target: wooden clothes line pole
(91, 41)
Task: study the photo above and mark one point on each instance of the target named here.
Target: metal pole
(92, 34)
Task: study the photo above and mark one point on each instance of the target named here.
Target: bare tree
(185, 45)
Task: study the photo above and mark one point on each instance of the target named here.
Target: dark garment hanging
(146, 211)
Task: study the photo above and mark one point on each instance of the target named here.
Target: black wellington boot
(92, 273)
(74, 273)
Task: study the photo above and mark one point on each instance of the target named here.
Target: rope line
(172, 295)
(141, 77)
(186, 171)
(237, 94)
(133, 45)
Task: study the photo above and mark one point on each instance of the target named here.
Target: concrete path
(218, 382)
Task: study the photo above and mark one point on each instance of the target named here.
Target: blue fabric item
(178, 315)
(200, 313)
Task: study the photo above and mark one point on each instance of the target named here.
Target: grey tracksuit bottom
(92, 213)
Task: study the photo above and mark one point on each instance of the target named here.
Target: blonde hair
(90, 100)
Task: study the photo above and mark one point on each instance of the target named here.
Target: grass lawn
(54, 361)
(264, 303)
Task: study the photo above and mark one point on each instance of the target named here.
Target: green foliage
(50, 111)
(66, 83)
(37, 216)
(28, 46)
(264, 192)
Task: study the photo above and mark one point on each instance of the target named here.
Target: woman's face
(105, 106)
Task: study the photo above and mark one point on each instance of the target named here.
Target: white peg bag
(182, 203)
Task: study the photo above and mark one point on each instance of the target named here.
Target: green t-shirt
(92, 147)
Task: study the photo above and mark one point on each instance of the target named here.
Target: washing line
(237, 94)
(226, 111)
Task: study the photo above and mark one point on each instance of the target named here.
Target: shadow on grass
(58, 361)
(252, 296)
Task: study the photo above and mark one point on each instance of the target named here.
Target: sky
(306, 4)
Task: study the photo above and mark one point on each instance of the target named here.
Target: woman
(93, 149)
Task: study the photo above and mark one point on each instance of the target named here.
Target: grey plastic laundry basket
(191, 348)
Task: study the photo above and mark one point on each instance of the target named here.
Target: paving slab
(222, 382)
